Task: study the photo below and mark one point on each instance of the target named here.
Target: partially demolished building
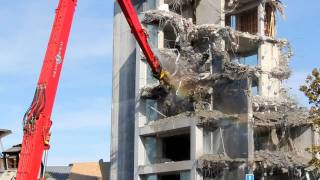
(227, 113)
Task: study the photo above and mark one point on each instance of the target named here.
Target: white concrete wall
(210, 12)
(268, 60)
(123, 102)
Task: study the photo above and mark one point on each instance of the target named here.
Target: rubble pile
(196, 46)
(178, 4)
(213, 166)
(279, 113)
(211, 119)
(296, 118)
(280, 160)
(189, 63)
(267, 163)
(181, 26)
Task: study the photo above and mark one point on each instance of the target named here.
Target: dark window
(177, 148)
(170, 177)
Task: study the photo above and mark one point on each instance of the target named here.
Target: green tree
(312, 90)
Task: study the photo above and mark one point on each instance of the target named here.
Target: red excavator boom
(37, 120)
(142, 38)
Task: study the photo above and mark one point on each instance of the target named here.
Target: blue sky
(301, 28)
(82, 113)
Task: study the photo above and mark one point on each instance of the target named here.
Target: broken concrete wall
(232, 98)
(302, 138)
(185, 8)
(209, 11)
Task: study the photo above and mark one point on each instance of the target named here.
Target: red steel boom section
(141, 36)
(37, 120)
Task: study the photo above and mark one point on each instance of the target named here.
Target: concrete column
(261, 18)
(250, 129)
(140, 118)
(268, 56)
(196, 138)
(160, 33)
(123, 105)
(222, 14)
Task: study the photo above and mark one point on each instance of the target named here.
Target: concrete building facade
(226, 113)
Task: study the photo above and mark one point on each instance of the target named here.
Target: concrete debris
(280, 160)
(209, 119)
(155, 91)
(213, 166)
(296, 118)
(266, 163)
(185, 115)
(231, 5)
(162, 160)
(281, 112)
(230, 35)
(194, 81)
(231, 72)
(177, 4)
(197, 83)
(179, 65)
(264, 104)
(214, 119)
(189, 32)
(239, 71)
(286, 50)
(164, 19)
(281, 72)
(277, 4)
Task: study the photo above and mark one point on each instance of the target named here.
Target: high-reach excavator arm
(142, 38)
(37, 120)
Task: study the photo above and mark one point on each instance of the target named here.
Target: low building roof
(13, 149)
(58, 172)
(85, 170)
(79, 171)
(4, 132)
